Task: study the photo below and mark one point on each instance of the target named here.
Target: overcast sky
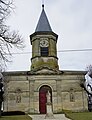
(70, 19)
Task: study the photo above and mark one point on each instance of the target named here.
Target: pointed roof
(43, 23)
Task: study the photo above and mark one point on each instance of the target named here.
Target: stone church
(26, 90)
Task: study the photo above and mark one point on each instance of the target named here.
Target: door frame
(45, 89)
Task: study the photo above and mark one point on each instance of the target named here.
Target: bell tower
(44, 49)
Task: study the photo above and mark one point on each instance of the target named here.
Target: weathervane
(43, 3)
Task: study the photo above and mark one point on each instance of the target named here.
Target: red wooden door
(43, 99)
(42, 102)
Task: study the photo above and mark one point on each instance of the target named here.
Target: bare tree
(89, 70)
(88, 86)
(8, 39)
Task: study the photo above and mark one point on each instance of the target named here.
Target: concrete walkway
(42, 117)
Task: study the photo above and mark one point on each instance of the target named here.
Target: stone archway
(42, 98)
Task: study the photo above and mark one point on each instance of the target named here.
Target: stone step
(42, 117)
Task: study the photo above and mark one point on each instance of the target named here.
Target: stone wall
(22, 91)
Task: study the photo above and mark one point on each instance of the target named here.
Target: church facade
(26, 90)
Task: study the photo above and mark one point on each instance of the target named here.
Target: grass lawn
(80, 116)
(16, 117)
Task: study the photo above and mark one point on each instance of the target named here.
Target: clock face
(44, 43)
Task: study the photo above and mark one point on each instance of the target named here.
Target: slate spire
(43, 23)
